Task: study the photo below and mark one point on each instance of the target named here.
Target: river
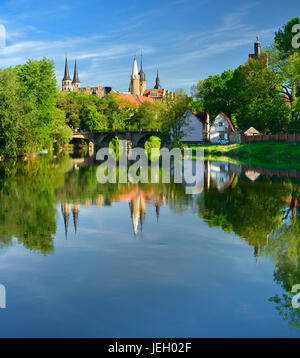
(83, 259)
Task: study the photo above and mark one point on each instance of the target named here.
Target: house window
(220, 124)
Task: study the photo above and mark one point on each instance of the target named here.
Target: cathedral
(68, 85)
(137, 86)
(138, 92)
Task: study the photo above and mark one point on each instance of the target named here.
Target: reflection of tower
(256, 252)
(88, 203)
(157, 210)
(100, 201)
(66, 210)
(258, 246)
(137, 212)
(75, 211)
(158, 203)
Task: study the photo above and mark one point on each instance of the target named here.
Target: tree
(91, 119)
(284, 59)
(172, 117)
(215, 93)
(283, 39)
(147, 116)
(18, 122)
(61, 133)
(257, 99)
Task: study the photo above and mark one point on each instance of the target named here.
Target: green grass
(268, 154)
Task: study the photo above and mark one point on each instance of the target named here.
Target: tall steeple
(67, 82)
(135, 74)
(157, 82)
(142, 73)
(67, 74)
(134, 86)
(142, 78)
(76, 82)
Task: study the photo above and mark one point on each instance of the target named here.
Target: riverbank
(270, 154)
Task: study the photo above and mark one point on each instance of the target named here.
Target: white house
(222, 130)
(197, 126)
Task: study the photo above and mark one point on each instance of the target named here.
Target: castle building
(68, 85)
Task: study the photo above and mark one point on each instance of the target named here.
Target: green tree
(257, 98)
(174, 124)
(91, 119)
(215, 94)
(284, 59)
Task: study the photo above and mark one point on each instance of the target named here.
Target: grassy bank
(269, 154)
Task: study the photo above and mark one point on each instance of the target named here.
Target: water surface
(81, 259)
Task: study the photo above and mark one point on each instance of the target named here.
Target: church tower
(257, 48)
(66, 82)
(134, 87)
(142, 79)
(157, 82)
(76, 83)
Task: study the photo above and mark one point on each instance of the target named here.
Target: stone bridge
(101, 139)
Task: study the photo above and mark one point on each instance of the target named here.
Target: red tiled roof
(159, 91)
(138, 100)
(143, 99)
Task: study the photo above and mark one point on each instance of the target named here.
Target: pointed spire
(135, 72)
(157, 210)
(142, 73)
(134, 76)
(76, 77)
(157, 82)
(66, 209)
(67, 74)
(75, 212)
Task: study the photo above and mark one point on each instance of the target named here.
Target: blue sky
(186, 39)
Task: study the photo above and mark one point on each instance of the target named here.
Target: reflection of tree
(27, 198)
(284, 247)
(251, 211)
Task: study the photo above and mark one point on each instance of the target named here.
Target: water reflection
(259, 206)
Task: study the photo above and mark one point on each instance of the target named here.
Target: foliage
(283, 38)
(285, 61)
(263, 108)
(152, 142)
(172, 117)
(215, 93)
(29, 120)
